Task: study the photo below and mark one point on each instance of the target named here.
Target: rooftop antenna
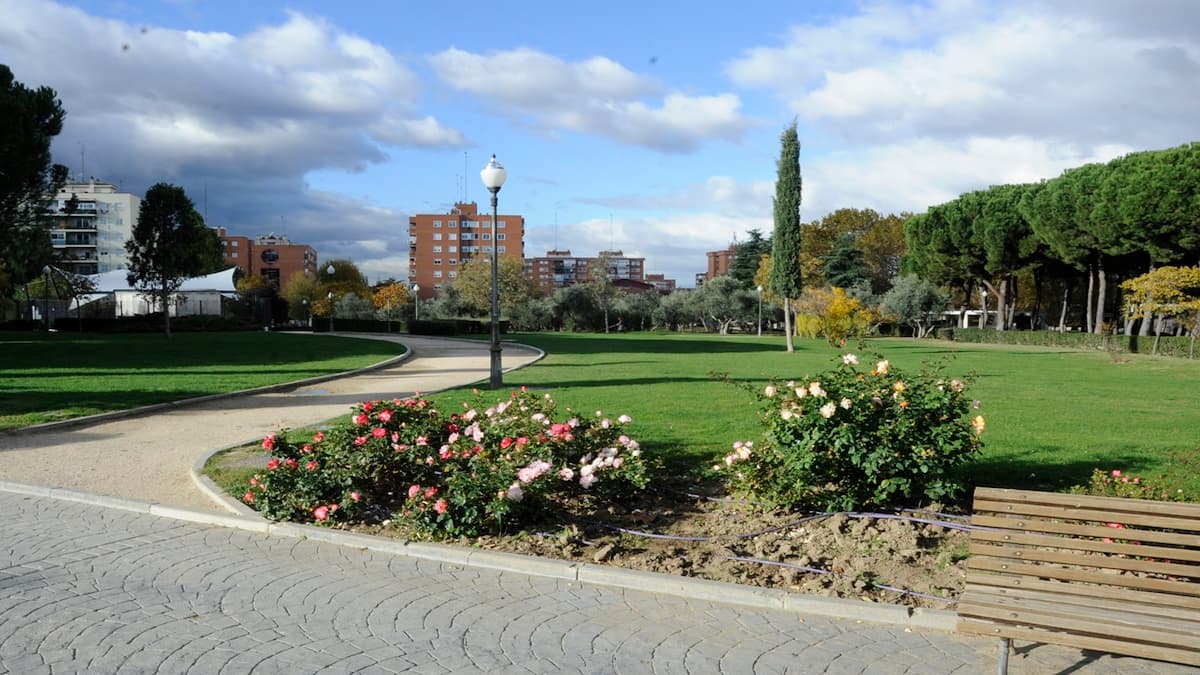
(464, 176)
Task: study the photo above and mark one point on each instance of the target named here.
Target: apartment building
(559, 268)
(273, 256)
(440, 244)
(89, 225)
(719, 263)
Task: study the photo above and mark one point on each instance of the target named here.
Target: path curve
(149, 457)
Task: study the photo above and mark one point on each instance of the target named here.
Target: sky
(652, 128)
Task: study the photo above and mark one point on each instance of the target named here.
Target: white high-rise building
(90, 238)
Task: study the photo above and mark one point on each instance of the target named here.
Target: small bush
(1116, 483)
(845, 439)
(465, 473)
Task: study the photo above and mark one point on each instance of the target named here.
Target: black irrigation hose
(817, 570)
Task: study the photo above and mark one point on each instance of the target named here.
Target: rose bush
(463, 473)
(849, 438)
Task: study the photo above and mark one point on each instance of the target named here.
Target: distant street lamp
(330, 296)
(46, 296)
(416, 302)
(307, 314)
(983, 306)
(760, 310)
(493, 176)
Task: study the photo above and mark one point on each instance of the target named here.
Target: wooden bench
(1098, 573)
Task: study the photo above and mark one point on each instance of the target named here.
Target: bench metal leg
(1005, 646)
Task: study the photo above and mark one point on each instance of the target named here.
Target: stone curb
(183, 403)
(653, 582)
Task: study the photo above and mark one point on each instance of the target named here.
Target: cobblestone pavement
(90, 589)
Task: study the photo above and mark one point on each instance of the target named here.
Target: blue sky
(647, 127)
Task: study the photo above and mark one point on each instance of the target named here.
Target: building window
(453, 249)
(437, 223)
(437, 236)
(234, 243)
(437, 274)
(499, 224)
(452, 236)
(500, 237)
(452, 261)
(487, 249)
(487, 236)
(437, 249)
(437, 261)
(453, 274)
(500, 249)
(437, 287)
(452, 223)
(233, 255)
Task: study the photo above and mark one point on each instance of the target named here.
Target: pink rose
(355, 496)
(321, 512)
(379, 432)
(273, 464)
(385, 416)
(430, 492)
(361, 419)
(291, 463)
(269, 442)
(312, 465)
(440, 506)
(320, 436)
(248, 497)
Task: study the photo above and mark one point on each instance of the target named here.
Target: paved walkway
(150, 457)
(92, 584)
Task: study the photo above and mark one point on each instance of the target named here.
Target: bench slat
(1092, 545)
(1097, 561)
(1067, 574)
(1087, 502)
(1131, 599)
(1182, 523)
(1056, 527)
(1083, 617)
(1081, 642)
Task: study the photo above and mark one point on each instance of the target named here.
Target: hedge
(1168, 345)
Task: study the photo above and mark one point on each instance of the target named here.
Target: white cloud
(1064, 73)
(594, 96)
(722, 195)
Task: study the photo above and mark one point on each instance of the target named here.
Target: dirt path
(150, 457)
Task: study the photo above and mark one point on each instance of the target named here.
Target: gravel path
(149, 457)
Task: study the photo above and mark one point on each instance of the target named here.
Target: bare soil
(843, 555)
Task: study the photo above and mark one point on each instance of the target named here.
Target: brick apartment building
(440, 244)
(558, 269)
(272, 256)
(719, 263)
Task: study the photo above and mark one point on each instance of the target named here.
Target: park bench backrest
(1098, 573)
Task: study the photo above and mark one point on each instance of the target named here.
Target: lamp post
(983, 307)
(307, 314)
(330, 270)
(493, 176)
(46, 296)
(416, 302)
(760, 310)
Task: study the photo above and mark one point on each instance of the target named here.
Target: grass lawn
(52, 376)
(1053, 415)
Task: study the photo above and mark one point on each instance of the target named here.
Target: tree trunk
(1148, 315)
(1091, 298)
(1002, 305)
(1062, 314)
(1101, 288)
(787, 324)
(166, 310)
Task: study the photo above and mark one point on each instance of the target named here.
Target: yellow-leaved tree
(1168, 292)
(833, 314)
(390, 298)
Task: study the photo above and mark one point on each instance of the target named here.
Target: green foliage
(915, 302)
(786, 240)
(838, 316)
(846, 266)
(746, 257)
(463, 473)
(1116, 483)
(847, 439)
(29, 121)
(474, 285)
(1168, 346)
(169, 245)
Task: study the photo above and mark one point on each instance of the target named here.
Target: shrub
(846, 439)
(1116, 483)
(464, 473)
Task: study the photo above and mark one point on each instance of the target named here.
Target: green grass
(1053, 415)
(52, 376)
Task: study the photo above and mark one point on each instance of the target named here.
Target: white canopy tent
(198, 295)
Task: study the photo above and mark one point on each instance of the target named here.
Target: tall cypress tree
(785, 242)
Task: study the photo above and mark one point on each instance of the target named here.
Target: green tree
(746, 256)
(636, 310)
(474, 285)
(301, 295)
(846, 266)
(170, 244)
(915, 302)
(29, 121)
(882, 244)
(786, 241)
(724, 301)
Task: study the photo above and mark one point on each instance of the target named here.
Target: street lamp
(307, 314)
(330, 270)
(493, 176)
(46, 296)
(416, 302)
(760, 310)
(983, 306)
